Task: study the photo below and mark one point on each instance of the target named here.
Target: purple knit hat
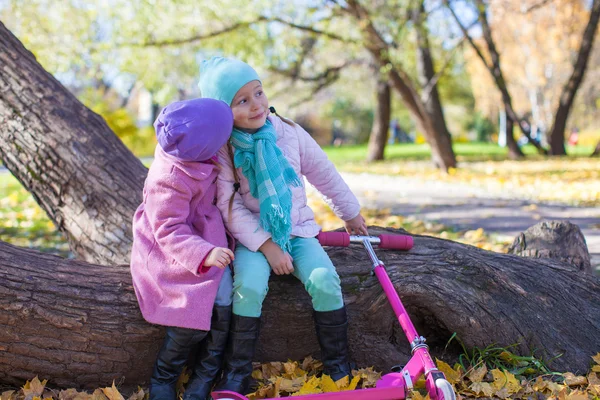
(194, 130)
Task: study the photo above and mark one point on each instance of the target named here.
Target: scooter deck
(388, 393)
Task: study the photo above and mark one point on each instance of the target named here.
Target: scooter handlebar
(397, 242)
(338, 239)
(343, 239)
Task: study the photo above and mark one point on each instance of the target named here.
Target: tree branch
(536, 6)
(197, 38)
(312, 30)
(467, 36)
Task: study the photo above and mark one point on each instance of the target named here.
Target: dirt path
(469, 207)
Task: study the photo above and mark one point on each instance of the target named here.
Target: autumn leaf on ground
(505, 380)
(291, 385)
(577, 395)
(139, 395)
(572, 380)
(310, 387)
(328, 385)
(482, 389)
(414, 395)
(35, 388)
(112, 393)
(368, 375)
(452, 375)
(8, 395)
(477, 374)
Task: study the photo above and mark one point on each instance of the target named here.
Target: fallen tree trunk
(78, 324)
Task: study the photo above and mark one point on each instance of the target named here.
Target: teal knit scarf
(269, 175)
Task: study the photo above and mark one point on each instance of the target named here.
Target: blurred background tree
(321, 62)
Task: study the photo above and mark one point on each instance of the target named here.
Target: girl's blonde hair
(236, 178)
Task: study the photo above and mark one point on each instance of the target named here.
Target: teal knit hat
(221, 78)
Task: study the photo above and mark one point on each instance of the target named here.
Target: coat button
(215, 201)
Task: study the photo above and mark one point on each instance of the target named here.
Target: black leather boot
(332, 333)
(243, 336)
(171, 359)
(209, 358)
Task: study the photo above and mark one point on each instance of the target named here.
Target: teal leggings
(311, 265)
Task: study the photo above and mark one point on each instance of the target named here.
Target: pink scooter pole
(421, 362)
(393, 386)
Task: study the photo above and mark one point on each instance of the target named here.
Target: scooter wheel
(444, 390)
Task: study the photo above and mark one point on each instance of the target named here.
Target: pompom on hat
(221, 78)
(194, 130)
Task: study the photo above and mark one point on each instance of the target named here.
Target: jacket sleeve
(321, 173)
(167, 206)
(242, 223)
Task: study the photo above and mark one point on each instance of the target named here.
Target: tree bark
(596, 151)
(560, 240)
(381, 123)
(496, 72)
(79, 325)
(557, 134)
(434, 130)
(78, 171)
(426, 75)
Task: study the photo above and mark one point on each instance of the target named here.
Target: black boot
(241, 345)
(332, 333)
(171, 359)
(210, 356)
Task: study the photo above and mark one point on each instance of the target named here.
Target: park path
(466, 206)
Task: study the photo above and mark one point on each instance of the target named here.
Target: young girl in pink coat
(264, 205)
(180, 257)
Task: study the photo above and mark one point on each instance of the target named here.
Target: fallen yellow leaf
(477, 374)
(328, 385)
(34, 388)
(572, 380)
(310, 387)
(112, 393)
(505, 380)
(482, 389)
(452, 376)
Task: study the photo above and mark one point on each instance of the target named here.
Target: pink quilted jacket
(308, 159)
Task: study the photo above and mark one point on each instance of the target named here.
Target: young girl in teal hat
(264, 205)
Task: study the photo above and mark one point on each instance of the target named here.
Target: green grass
(23, 223)
(415, 152)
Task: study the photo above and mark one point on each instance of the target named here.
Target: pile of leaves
(515, 377)
(563, 180)
(384, 218)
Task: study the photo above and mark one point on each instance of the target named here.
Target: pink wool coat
(174, 229)
(309, 160)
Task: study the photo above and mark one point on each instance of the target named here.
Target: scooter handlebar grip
(339, 239)
(397, 242)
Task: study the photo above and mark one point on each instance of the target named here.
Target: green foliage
(356, 121)
(498, 357)
(483, 127)
(23, 223)
(141, 141)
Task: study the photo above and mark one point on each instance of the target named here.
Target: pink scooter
(395, 385)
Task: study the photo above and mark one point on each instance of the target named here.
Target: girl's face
(250, 107)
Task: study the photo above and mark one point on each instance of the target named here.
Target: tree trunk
(596, 151)
(557, 134)
(426, 75)
(78, 324)
(514, 151)
(381, 123)
(79, 172)
(430, 125)
(498, 76)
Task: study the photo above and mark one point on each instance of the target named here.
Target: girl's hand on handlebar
(356, 226)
